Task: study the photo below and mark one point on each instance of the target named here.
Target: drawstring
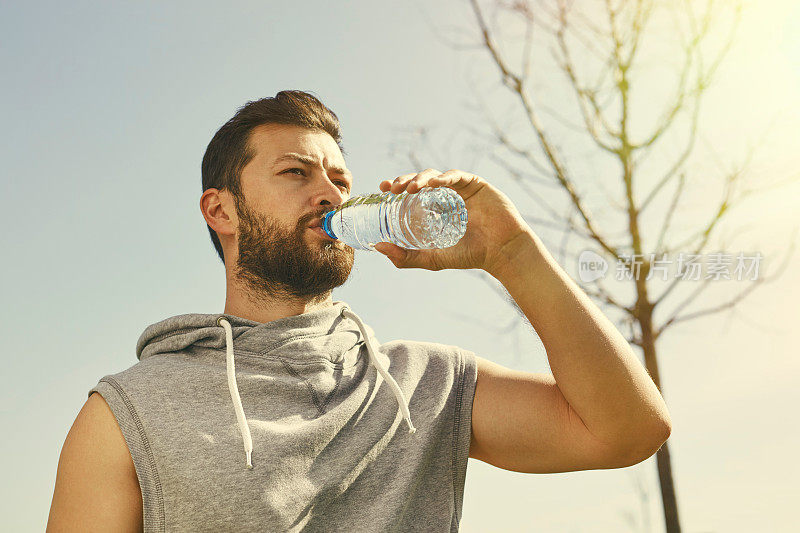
(234, 389)
(401, 399)
(237, 400)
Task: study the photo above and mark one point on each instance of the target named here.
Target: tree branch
(515, 83)
(677, 317)
(725, 207)
(671, 211)
(690, 143)
(583, 94)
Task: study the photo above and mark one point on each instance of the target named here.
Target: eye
(299, 171)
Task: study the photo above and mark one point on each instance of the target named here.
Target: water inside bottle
(442, 218)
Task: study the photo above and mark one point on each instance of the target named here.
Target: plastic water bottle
(434, 217)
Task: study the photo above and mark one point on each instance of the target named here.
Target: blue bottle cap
(326, 225)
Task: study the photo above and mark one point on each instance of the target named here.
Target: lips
(321, 232)
(317, 222)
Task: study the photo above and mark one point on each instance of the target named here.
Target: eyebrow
(310, 161)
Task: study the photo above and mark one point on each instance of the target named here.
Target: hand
(493, 222)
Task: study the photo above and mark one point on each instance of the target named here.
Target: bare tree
(609, 36)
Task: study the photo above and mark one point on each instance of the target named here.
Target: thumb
(397, 255)
(392, 251)
(404, 257)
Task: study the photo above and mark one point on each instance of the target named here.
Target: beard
(277, 263)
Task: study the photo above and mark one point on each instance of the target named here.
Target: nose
(329, 193)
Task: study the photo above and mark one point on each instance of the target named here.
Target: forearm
(593, 364)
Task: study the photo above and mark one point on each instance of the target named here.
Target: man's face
(296, 175)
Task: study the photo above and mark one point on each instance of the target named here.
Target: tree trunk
(667, 490)
(663, 462)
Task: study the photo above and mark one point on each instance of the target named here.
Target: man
(327, 431)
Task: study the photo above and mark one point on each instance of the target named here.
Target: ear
(219, 211)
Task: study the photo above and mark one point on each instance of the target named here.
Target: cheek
(281, 203)
(286, 214)
(273, 203)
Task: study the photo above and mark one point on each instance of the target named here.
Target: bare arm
(96, 484)
(599, 409)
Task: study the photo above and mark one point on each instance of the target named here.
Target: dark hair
(230, 150)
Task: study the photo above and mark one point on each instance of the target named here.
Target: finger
(392, 252)
(455, 179)
(388, 182)
(400, 184)
(386, 248)
(409, 258)
(389, 185)
(421, 180)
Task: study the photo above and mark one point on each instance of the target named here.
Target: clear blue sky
(107, 108)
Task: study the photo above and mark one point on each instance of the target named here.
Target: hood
(283, 336)
(292, 337)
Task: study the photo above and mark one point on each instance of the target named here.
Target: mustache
(305, 221)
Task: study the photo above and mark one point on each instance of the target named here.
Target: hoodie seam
(279, 343)
(331, 395)
(170, 333)
(311, 390)
(305, 361)
(151, 462)
(262, 353)
(460, 370)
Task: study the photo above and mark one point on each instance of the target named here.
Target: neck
(246, 302)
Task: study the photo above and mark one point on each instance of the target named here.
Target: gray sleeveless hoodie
(306, 423)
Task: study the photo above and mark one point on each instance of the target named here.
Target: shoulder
(97, 427)
(96, 479)
(143, 376)
(97, 430)
(443, 365)
(429, 353)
